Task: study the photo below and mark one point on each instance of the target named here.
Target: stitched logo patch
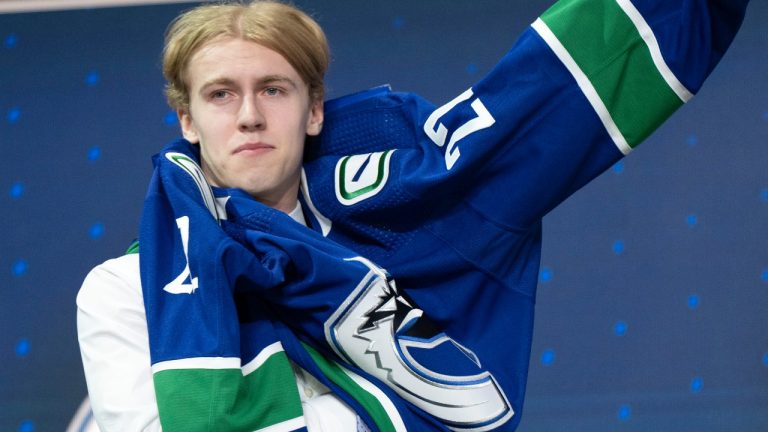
(360, 177)
(382, 331)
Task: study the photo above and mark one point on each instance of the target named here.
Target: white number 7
(438, 135)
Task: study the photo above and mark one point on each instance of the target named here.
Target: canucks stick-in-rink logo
(384, 333)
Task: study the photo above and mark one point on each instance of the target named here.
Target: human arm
(542, 123)
(483, 195)
(112, 332)
(584, 86)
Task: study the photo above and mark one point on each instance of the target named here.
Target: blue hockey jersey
(412, 293)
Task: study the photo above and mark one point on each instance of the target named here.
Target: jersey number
(180, 285)
(438, 133)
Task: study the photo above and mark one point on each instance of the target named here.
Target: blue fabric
(435, 222)
(709, 28)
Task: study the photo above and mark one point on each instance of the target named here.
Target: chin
(255, 191)
(253, 186)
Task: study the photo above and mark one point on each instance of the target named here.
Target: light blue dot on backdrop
(92, 78)
(19, 268)
(94, 153)
(398, 22)
(697, 384)
(472, 68)
(765, 116)
(765, 275)
(764, 194)
(625, 412)
(618, 247)
(17, 190)
(27, 426)
(96, 231)
(620, 328)
(691, 220)
(692, 140)
(548, 357)
(13, 115)
(171, 119)
(546, 274)
(618, 167)
(765, 359)
(22, 347)
(693, 301)
(11, 40)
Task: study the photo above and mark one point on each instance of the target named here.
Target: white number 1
(178, 285)
(438, 135)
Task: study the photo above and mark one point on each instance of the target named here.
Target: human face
(250, 111)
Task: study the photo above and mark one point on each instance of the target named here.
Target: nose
(250, 117)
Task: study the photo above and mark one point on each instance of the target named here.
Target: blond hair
(277, 26)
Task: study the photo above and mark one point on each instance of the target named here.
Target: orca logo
(384, 333)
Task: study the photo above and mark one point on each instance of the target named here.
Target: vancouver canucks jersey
(412, 295)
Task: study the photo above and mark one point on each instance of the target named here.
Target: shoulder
(115, 280)
(373, 120)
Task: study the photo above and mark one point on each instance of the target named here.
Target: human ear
(187, 127)
(315, 120)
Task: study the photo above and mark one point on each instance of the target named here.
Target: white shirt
(114, 345)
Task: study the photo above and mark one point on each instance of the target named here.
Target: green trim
(334, 372)
(133, 248)
(225, 400)
(364, 190)
(608, 48)
(178, 156)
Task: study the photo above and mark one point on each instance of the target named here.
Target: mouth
(253, 148)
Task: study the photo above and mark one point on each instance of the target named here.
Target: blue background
(652, 306)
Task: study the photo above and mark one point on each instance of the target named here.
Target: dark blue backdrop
(652, 308)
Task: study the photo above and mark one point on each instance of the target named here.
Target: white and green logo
(382, 331)
(359, 177)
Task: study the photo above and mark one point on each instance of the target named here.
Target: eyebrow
(271, 79)
(266, 80)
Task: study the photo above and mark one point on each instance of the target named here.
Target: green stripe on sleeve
(225, 400)
(370, 402)
(608, 48)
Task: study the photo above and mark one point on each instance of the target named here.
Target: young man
(233, 287)
(249, 109)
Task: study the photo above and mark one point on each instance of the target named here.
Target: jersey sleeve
(210, 370)
(584, 86)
